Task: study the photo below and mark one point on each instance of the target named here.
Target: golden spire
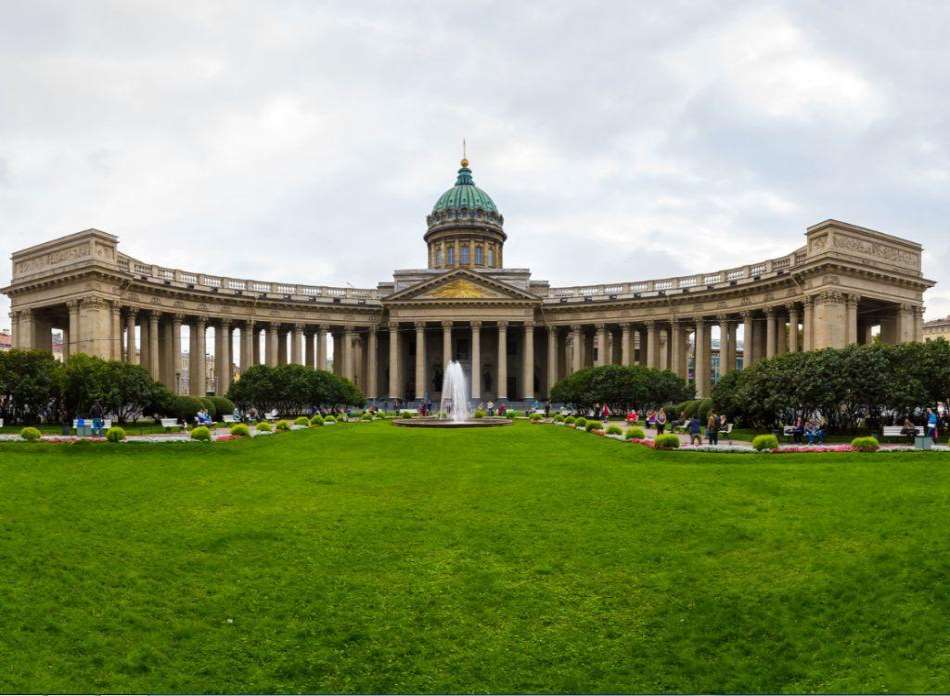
(464, 154)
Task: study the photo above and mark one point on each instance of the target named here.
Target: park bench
(895, 430)
(169, 423)
(79, 424)
(229, 419)
(272, 416)
(788, 431)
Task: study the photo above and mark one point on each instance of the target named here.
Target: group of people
(811, 430)
(489, 408)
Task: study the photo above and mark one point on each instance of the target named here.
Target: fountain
(455, 410)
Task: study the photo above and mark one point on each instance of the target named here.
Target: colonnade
(507, 360)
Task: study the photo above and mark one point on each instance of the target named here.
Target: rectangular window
(450, 256)
(491, 257)
(463, 252)
(478, 256)
(438, 257)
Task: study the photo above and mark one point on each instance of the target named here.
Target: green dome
(465, 195)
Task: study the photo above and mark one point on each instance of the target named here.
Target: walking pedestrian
(712, 428)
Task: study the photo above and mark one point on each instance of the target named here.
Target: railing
(202, 280)
(749, 272)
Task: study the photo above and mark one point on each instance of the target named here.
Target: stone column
(348, 352)
(256, 345)
(24, 330)
(576, 338)
(372, 369)
(808, 324)
(322, 348)
(154, 364)
(625, 353)
(781, 332)
(502, 360)
(677, 354)
(144, 343)
(420, 390)
(851, 319)
(527, 362)
(748, 342)
(552, 359)
(446, 343)
(222, 356)
(282, 346)
(247, 347)
(116, 332)
(176, 353)
(906, 323)
(601, 345)
(272, 349)
(793, 328)
(296, 357)
(701, 354)
(770, 332)
(73, 307)
(310, 355)
(476, 360)
(652, 347)
(198, 374)
(829, 320)
(918, 324)
(726, 345)
(393, 359)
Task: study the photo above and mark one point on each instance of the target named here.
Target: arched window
(478, 256)
(450, 256)
(463, 254)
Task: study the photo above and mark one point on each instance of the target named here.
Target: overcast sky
(306, 142)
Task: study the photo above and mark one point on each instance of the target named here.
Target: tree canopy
(292, 389)
(621, 387)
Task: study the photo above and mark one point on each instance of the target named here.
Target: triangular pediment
(462, 285)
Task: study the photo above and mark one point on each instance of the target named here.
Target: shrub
(635, 433)
(580, 423)
(115, 434)
(512, 413)
(282, 425)
(264, 427)
(367, 416)
(30, 434)
(209, 406)
(570, 420)
(185, 407)
(667, 441)
(201, 433)
(480, 413)
(614, 430)
(316, 421)
(536, 416)
(405, 414)
(240, 430)
(865, 444)
(222, 405)
(593, 425)
(558, 418)
(302, 421)
(765, 442)
(341, 418)
(329, 419)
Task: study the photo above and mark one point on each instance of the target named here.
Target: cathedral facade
(516, 336)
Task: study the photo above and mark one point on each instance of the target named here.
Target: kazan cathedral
(515, 336)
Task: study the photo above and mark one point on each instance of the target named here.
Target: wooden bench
(169, 423)
(895, 430)
(788, 431)
(229, 419)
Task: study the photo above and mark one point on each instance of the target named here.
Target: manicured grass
(368, 558)
(140, 428)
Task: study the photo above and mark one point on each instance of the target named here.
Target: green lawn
(368, 558)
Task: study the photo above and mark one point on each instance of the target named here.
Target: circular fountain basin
(433, 422)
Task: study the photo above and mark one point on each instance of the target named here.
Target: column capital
(27, 313)
(200, 320)
(447, 323)
(627, 326)
(503, 325)
(529, 325)
(724, 319)
(393, 326)
(808, 300)
(575, 327)
(420, 325)
(224, 323)
(791, 307)
(650, 323)
(273, 325)
(919, 310)
(298, 328)
(116, 309)
(154, 315)
(770, 312)
(178, 319)
(852, 299)
(74, 304)
(475, 324)
(747, 315)
(600, 325)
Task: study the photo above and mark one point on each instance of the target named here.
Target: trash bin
(923, 442)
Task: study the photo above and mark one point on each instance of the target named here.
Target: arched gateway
(515, 336)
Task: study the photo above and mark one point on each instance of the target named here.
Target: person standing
(491, 408)
(712, 428)
(932, 424)
(695, 431)
(661, 421)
